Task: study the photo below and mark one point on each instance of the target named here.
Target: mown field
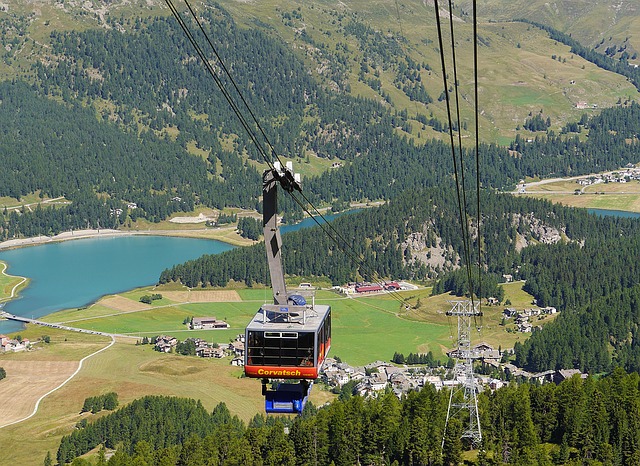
(608, 196)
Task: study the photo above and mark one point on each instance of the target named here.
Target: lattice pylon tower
(466, 312)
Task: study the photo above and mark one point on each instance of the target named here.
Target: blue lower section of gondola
(287, 398)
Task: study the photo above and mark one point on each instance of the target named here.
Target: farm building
(204, 323)
(368, 288)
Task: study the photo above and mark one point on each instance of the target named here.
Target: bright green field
(365, 329)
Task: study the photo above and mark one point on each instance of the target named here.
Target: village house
(495, 384)
(434, 380)
(337, 378)
(521, 319)
(564, 374)
(524, 327)
(237, 348)
(210, 352)
(165, 343)
(485, 351)
(372, 384)
(401, 384)
(12, 345)
(367, 288)
(207, 323)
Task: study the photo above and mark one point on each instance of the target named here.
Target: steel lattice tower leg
(465, 311)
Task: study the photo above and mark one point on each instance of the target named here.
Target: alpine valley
(109, 120)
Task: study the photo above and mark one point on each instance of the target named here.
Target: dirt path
(18, 396)
(13, 290)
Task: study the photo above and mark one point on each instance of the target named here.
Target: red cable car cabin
(287, 342)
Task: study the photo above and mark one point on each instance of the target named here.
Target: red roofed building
(368, 288)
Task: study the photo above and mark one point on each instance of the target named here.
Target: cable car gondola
(289, 339)
(287, 342)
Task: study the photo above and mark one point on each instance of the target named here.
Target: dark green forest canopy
(63, 150)
(521, 424)
(431, 213)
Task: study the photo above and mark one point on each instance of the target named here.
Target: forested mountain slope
(144, 81)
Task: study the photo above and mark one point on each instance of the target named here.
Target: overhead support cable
(326, 227)
(456, 87)
(476, 101)
(462, 208)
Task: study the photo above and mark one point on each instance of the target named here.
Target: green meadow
(364, 328)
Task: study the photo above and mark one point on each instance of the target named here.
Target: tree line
(593, 420)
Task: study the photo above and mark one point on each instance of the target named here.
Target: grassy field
(365, 329)
(609, 196)
(129, 370)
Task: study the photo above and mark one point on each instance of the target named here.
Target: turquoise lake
(76, 273)
(73, 274)
(614, 213)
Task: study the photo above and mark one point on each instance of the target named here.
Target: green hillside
(589, 21)
(364, 49)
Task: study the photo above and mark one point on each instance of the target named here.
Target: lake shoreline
(105, 233)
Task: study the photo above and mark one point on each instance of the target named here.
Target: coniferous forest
(593, 420)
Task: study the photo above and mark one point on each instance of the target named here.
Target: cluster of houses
(204, 349)
(378, 376)
(622, 176)
(522, 319)
(11, 345)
